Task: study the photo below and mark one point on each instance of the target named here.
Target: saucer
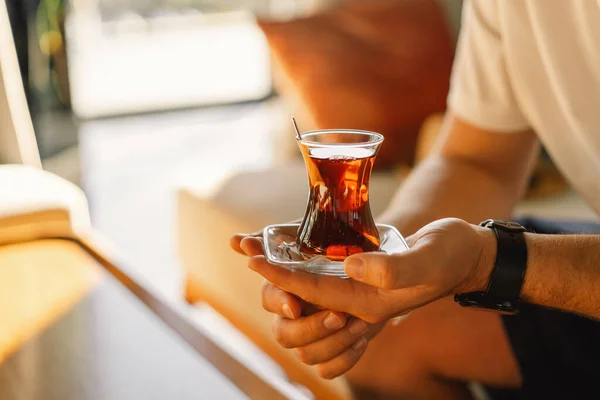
(281, 249)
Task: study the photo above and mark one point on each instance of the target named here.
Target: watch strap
(506, 280)
(511, 259)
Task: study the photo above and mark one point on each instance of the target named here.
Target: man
(525, 70)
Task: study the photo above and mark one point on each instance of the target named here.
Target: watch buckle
(506, 225)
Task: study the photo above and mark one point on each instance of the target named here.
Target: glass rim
(378, 138)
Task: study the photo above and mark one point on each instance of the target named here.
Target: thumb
(387, 271)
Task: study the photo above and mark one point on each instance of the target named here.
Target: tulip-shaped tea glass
(338, 221)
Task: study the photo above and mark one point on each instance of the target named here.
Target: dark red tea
(338, 220)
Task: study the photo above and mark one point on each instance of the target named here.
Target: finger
(333, 345)
(328, 292)
(280, 302)
(238, 237)
(389, 271)
(236, 240)
(344, 362)
(292, 333)
(252, 246)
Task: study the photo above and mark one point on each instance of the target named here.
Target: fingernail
(287, 311)
(358, 327)
(355, 268)
(359, 344)
(332, 321)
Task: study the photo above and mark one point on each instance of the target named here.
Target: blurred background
(173, 117)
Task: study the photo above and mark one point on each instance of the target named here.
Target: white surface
(25, 189)
(167, 62)
(132, 167)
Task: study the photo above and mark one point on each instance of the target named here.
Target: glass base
(281, 249)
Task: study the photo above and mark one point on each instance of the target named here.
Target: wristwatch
(504, 289)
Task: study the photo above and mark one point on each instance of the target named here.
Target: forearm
(443, 187)
(563, 272)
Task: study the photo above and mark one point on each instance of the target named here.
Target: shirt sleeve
(480, 86)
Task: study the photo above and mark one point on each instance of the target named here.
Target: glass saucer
(281, 249)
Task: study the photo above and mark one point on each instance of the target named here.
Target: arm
(563, 272)
(473, 174)
(446, 257)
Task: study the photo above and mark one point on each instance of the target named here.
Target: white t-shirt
(535, 64)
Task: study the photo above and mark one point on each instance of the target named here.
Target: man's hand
(445, 257)
(332, 341)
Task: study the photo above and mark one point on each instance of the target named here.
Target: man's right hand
(332, 341)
